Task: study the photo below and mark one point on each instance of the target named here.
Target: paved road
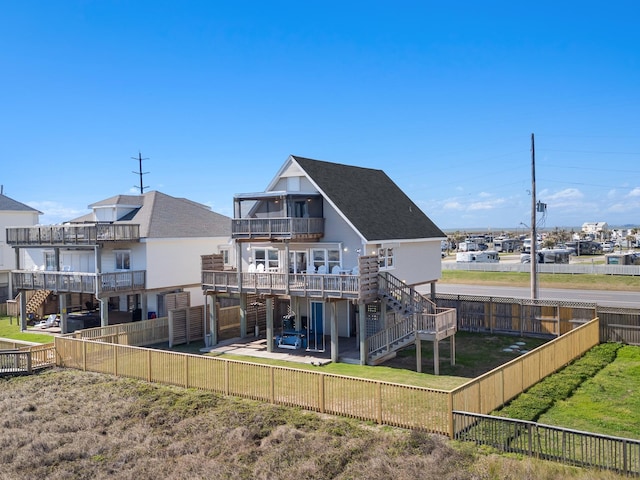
(601, 297)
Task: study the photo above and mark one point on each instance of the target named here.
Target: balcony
(80, 282)
(64, 235)
(357, 287)
(267, 229)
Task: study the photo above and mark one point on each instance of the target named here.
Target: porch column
(62, 302)
(104, 311)
(269, 307)
(56, 254)
(23, 310)
(362, 333)
(287, 268)
(436, 357)
(418, 355)
(334, 332)
(243, 315)
(212, 310)
(144, 307)
(433, 291)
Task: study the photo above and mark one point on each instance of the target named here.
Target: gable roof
(163, 216)
(377, 208)
(10, 205)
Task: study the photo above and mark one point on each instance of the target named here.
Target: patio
(257, 347)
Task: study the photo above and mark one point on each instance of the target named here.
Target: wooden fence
(146, 332)
(516, 316)
(21, 359)
(186, 325)
(584, 449)
(386, 403)
(370, 400)
(493, 389)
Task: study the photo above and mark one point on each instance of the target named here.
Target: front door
(315, 328)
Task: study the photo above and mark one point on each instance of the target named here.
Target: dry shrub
(67, 425)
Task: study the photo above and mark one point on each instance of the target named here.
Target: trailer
(507, 244)
(487, 256)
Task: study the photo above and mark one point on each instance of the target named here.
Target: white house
(12, 212)
(123, 257)
(334, 251)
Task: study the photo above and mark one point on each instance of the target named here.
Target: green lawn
(10, 328)
(608, 403)
(547, 280)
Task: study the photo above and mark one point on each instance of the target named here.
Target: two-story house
(334, 251)
(15, 213)
(122, 258)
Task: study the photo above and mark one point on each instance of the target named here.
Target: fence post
(272, 386)
(452, 429)
(149, 365)
(379, 402)
(84, 355)
(226, 377)
(186, 371)
(115, 359)
(321, 392)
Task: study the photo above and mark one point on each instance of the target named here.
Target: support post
(213, 318)
(104, 312)
(23, 311)
(418, 355)
(269, 306)
(362, 332)
(62, 301)
(243, 315)
(436, 357)
(452, 341)
(334, 332)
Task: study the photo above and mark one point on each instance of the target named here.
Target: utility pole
(534, 234)
(140, 172)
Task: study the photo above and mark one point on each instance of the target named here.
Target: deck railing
(91, 234)
(26, 359)
(79, 282)
(286, 227)
(298, 284)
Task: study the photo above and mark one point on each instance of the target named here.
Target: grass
(72, 425)
(545, 280)
(531, 404)
(475, 354)
(10, 328)
(607, 403)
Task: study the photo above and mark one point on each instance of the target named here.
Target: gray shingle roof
(370, 200)
(163, 216)
(10, 205)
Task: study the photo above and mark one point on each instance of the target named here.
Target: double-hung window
(123, 259)
(50, 261)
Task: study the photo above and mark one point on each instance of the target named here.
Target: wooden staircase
(37, 299)
(407, 304)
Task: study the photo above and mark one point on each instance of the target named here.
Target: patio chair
(50, 321)
(322, 269)
(336, 270)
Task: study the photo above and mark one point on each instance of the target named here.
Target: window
(50, 261)
(123, 260)
(268, 258)
(327, 258)
(297, 261)
(225, 256)
(385, 257)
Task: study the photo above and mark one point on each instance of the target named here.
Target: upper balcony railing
(80, 282)
(277, 228)
(81, 234)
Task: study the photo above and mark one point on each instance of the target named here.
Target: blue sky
(442, 96)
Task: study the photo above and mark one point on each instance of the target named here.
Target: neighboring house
(334, 251)
(123, 258)
(12, 213)
(596, 229)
